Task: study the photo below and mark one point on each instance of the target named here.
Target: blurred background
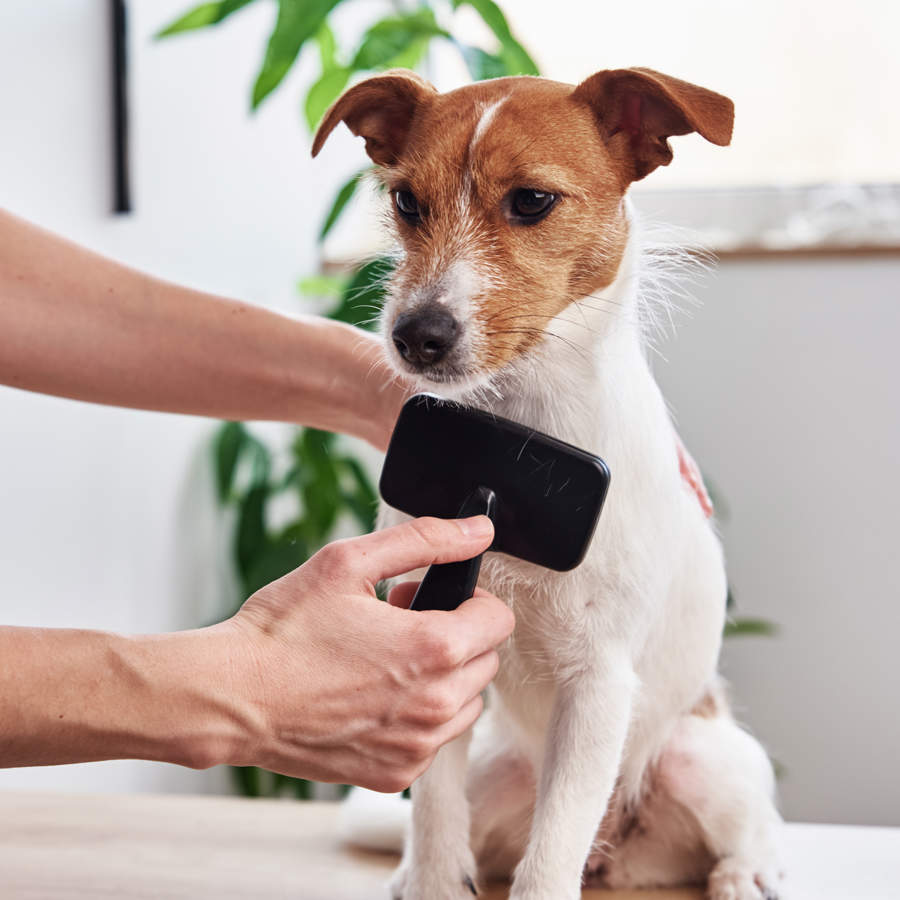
(783, 377)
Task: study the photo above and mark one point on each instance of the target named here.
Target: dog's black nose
(426, 336)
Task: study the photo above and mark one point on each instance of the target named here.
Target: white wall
(782, 382)
(787, 64)
(785, 387)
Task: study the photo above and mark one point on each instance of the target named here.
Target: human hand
(337, 686)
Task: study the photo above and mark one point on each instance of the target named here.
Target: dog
(607, 753)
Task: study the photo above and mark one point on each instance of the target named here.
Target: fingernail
(477, 526)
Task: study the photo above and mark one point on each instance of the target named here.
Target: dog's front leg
(581, 762)
(437, 860)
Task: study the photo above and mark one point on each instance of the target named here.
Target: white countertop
(60, 846)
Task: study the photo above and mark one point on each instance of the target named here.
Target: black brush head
(548, 493)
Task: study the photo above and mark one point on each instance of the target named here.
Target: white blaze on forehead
(484, 122)
(464, 200)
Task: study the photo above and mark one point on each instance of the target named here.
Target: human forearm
(76, 696)
(314, 677)
(77, 325)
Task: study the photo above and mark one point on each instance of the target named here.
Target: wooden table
(60, 846)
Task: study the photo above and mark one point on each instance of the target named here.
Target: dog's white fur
(594, 685)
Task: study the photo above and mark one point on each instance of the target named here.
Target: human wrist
(380, 393)
(341, 381)
(192, 693)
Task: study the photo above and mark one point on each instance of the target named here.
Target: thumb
(419, 542)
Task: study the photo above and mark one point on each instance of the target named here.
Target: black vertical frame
(121, 175)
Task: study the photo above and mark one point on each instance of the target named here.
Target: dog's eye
(407, 206)
(529, 205)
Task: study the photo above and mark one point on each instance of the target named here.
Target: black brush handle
(447, 585)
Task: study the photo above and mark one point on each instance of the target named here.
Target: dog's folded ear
(380, 109)
(638, 109)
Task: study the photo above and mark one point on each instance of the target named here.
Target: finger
(419, 542)
(402, 594)
(478, 625)
(476, 675)
(462, 721)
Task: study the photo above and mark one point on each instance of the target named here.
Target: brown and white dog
(607, 751)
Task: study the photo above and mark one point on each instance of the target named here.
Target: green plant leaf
(360, 477)
(361, 499)
(260, 459)
(247, 780)
(482, 65)
(251, 535)
(344, 196)
(297, 22)
(316, 443)
(230, 439)
(364, 294)
(290, 478)
(288, 551)
(411, 55)
(318, 482)
(330, 83)
(330, 286)
(301, 788)
(389, 38)
(327, 45)
(750, 627)
(516, 58)
(364, 512)
(255, 782)
(323, 92)
(202, 16)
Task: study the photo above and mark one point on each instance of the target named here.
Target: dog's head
(507, 197)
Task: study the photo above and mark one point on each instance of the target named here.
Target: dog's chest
(550, 640)
(557, 619)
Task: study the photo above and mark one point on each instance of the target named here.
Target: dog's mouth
(456, 377)
(442, 375)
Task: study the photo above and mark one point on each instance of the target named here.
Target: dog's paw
(412, 883)
(733, 879)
